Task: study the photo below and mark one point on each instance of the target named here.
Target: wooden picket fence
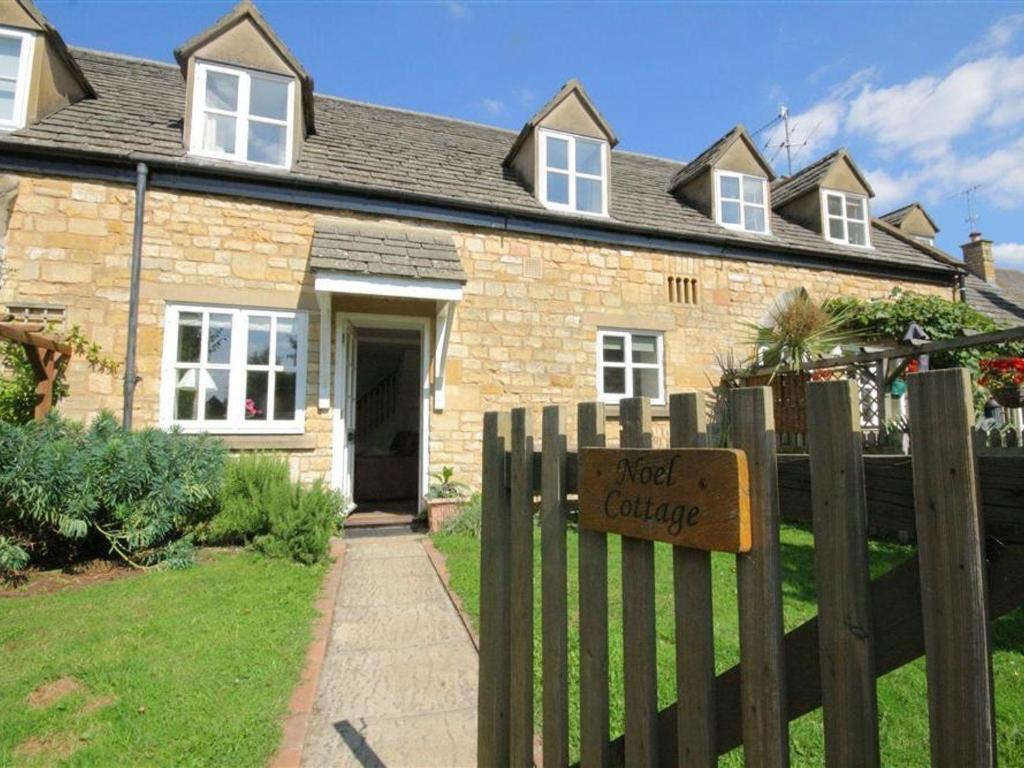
(938, 604)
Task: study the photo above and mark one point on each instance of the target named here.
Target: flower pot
(439, 510)
(1009, 397)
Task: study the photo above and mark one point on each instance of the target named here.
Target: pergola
(46, 354)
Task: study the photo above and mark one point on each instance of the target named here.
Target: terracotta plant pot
(1009, 397)
(439, 510)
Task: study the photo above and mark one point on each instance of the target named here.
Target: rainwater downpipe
(130, 377)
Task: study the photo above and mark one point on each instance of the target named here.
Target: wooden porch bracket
(45, 354)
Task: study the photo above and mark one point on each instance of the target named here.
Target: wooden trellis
(46, 354)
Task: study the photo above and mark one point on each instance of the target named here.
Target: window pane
(222, 91)
(835, 229)
(258, 351)
(267, 143)
(558, 153)
(614, 349)
(588, 195)
(218, 344)
(7, 99)
(284, 397)
(588, 157)
(645, 349)
(216, 393)
(729, 187)
(856, 233)
(287, 350)
(256, 395)
(835, 205)
(219, 134)
(10, 56)
(615, 381)
(185, 400)
(753, 190)
(754, 218)
(558, 188)
(730, 213)
(645, 382)
(190, 336)
(269, 98)
(855, 209)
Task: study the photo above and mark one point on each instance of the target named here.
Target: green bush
(468, 521)
(71, 490)
(260, 506)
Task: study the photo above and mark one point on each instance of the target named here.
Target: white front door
(347, 358)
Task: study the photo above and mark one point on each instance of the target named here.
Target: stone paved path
(398, 684)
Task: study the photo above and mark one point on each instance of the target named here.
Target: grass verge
(184, 668)
(902, 698)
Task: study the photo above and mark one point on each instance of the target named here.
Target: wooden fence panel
(593, 574)
(521, 566)
(554, 589)
(495, 624)
(949, 533)
(638, 617)
(842, 577)
(695, 633)
(759, 573)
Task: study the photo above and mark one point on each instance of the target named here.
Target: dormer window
(742, 201)
(241, 115)
(573, 173)
(846, 218)
(15, 67)
(925, 239)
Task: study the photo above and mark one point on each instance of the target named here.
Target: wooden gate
(938, 603)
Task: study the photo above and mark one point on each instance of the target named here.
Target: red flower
(1001, 372)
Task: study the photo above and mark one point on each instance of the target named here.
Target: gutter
(293, 189)
(131, 379)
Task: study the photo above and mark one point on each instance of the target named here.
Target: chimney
(978, 257)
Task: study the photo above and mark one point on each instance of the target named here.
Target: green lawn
(172, 668)
(902, 694)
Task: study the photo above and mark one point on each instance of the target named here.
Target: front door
(348, 360)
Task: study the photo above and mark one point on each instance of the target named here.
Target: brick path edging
(300, 708)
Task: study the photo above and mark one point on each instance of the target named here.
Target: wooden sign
(690, 497)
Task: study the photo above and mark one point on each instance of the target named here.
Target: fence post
(593, 574)
(953, 591)
(638, 622)
(554, 588)
(493, 696)
(845, 632)
(695, 635)
(759, 573)
(521, 589)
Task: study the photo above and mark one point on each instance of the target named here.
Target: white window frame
(628, 365)
(742, 226)
(236, 423)
(825, 216)
(542, 172)
(925, 239)
(23, 80)
(242, 116)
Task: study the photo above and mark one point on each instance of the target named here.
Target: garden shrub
(302, 530)
(468, 521)
(71, 490)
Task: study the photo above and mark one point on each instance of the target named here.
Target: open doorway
(387, 418)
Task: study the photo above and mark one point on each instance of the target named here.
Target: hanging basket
(1009, 397)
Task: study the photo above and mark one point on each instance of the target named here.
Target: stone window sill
(269, 442)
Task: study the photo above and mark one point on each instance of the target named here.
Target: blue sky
(928, 97)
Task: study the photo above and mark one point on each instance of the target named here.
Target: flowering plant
(1002, 372)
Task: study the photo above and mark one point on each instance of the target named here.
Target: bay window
(242, 115)
(630, 364)
(742, 201)
(573, 173)
(234, 370)
(846, 218)
(15, 70)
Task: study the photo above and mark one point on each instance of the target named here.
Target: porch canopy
(389, 261)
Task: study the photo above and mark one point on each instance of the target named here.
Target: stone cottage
(352, 285)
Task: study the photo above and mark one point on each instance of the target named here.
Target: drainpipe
(130, 377)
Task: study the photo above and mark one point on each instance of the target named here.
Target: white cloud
(891, 191)
(456, 8)
(998, 37)
(1009, 254)
(493, 106)
(810, 133)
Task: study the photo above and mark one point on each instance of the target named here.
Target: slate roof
(711, 155)
(791, 187)
(998, 302)
(345, 246)
(896, 217)
(138, 116)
